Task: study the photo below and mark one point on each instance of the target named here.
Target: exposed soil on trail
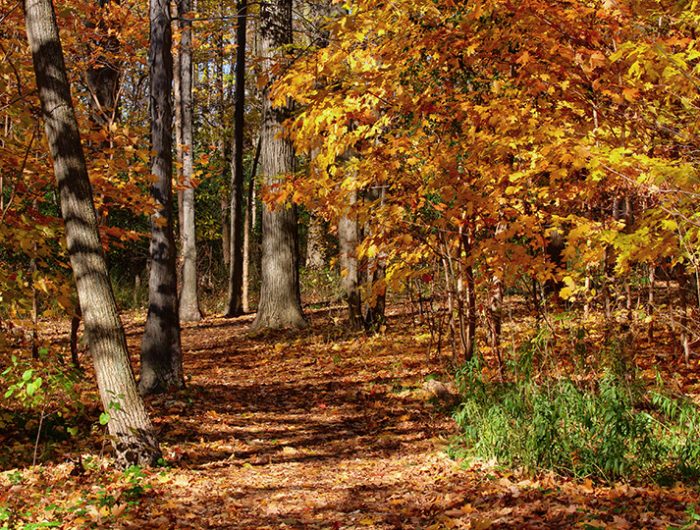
(330, 429)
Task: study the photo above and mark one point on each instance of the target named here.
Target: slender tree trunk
(650, 301)
(235, 283)
(74, 327)
(468, 275)
(161, 353)
(177, 107)
(348, 236)
(315, 247)
(375, 316)
(224, 148)
(450, 287)
(280, 301)
(248, 230)
(189, 302)
(132, 433)
(495, 312)
(684, 321)
(104, 72)
(35, 307)
(225, 225)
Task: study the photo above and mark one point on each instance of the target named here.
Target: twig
(38, 435)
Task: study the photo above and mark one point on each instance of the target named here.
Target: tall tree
(316, 244)
(189, 302)
(235, 284)
(348, 238)
(280, 302)
(132, 433)
(161, 353)
(177, 122)
(249, 227)
(104, 71)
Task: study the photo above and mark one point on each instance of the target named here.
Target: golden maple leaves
(527, 116)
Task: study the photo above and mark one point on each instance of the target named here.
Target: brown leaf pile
(327, 429)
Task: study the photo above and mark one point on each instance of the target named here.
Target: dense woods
(408, 264)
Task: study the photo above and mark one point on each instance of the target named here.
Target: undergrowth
(90, 495)
(39, 403)
(604, 429)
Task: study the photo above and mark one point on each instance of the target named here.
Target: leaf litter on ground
(319, 429)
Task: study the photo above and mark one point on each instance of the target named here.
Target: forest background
(515, 184)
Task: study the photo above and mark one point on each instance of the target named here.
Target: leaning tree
(129, 425)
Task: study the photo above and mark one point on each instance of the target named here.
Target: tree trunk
(376, 312)
(467, 275)
(161, 353)
(235, 281)
(224, 149)
(315, 247)
(280, 301)
(131, 430)
(177, 94)
(189, 302)
(349, 269)
(103, 74)
(376, 276)
(248, 230)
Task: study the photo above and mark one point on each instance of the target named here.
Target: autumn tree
(235, 281)
(189, 301)
(348, 240)
(104, 71)
(161, 352)
(491, 145)
(280, 304)
(133, 436)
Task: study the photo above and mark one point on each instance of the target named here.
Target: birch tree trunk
(132, 433)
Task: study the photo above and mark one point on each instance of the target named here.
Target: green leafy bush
(607, 429)
(39, 400)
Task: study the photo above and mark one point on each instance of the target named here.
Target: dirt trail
(313, 430)
(320, 429)
(329, 429)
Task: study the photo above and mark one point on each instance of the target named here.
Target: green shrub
(39, 401)
(607, 429)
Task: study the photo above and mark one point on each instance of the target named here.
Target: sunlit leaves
(514, 118)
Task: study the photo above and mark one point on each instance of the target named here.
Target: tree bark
(348, 236)
(177, 95)
(224, 148)
(132, 433)
(315, 245)
(189, 302)
(103, 74)
(248, 229)
(280, 301)
(468, 274)
(235, 281)
(161, 353)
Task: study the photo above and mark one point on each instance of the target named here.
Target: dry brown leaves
(328, 429)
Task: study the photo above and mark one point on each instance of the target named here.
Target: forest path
(315, 429)
(328, 429)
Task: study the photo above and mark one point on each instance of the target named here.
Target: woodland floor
(318, 429)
